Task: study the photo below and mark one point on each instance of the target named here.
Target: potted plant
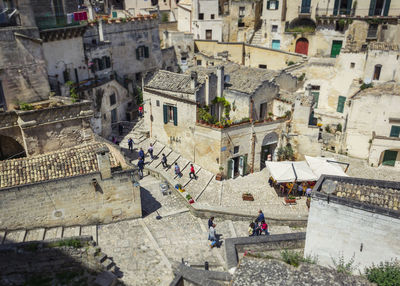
(247, 197)
(178, 186)
(290, 199)
(218, 177)
(191, 201)
(188, 197)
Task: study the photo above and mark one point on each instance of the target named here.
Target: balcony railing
(305, 10)
(354, 12)
(52, 22)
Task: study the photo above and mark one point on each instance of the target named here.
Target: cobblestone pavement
(144, 249)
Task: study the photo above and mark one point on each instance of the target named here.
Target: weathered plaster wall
(199, 27)
(273, 59)
(66, 55)
(184, 18)
(183, 45)
(70, 201)
(335, 230)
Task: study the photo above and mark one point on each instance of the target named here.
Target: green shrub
(290, 63)
(301, 78)
(339, 127)
(285, 153)
(328, 129)
(342, 266)
(301, 29)
(25, 106)
(384, 274)
(291, 257)
(366, 85)
(68, 242)
(164, 17)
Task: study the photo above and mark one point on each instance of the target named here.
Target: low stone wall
(262, 243)
(70, 201)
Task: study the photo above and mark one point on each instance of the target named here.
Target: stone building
(373, 125)
(241, 19)
(82, 185)
(174, 117)
(206, 20)
(353, 218)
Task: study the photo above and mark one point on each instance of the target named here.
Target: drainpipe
(253, 149)
(251, 109)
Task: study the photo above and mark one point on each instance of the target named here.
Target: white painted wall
(199, 27)
(334, 230)
(184, 18)
(65, 53)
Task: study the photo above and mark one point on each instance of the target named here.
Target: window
(157, 102)
(274, 28)
(170, 114)
(208, 34)
(212, 16)
(183, 61)
(100, 64)
(241, 11)
(262, 66)
(198, 62)
(352, 65)
(114, 115)
(272, 5)
(201, 16)
(372, 31)
(112, 99)
(340, 105)
(276, 44)
(377, 72)
(235, 149)
(395, 131)
(142, 52)
(315, 95)
(107, 62)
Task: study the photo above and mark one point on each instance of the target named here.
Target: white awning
(321, 166)
(287, 171)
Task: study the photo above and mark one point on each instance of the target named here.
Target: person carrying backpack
(164, 161)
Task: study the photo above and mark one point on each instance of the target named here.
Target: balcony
(53, 22)
(334, 12)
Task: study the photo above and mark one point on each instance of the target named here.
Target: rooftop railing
(52, 22)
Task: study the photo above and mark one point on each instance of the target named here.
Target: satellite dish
(227, 78)
(329, 187)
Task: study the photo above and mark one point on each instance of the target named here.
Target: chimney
(101, 34)
(103, 161)
(221, 80)
(193, 83)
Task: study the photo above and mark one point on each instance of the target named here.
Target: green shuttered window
(340, 105)
(170, 114)
(395, 131)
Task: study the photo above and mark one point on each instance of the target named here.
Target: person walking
(130, 144)
(141, 166)
(192, 172)
(260, 217)
(210, 222)
(212, 235)
(150, 150)
(177, 170)
(141, 154)
(140, 111)
(257, 228)
(251, 229)
(164, 161)
(264, 227)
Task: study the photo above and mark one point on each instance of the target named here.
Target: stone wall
(70, 201)
(336, 230)
(169, 60)
(23, 74)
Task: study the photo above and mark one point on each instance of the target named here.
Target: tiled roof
(375, 193)
(170, 81)
(55, 165)
(242, 79)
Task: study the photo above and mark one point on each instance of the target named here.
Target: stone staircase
(258, 38)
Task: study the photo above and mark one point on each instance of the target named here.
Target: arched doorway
(302, 46)
(268, 147)
(10, 149)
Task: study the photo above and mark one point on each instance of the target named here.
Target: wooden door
(336, 47)
(302, 46)
(389, 158)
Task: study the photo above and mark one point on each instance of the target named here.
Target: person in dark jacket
(164, 161)
(141, 154)
(141, 166)
(260, 217)
(210, 221)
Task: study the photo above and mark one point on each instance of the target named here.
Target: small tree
(164, 17)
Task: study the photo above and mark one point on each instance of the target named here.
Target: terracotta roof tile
(55, 165)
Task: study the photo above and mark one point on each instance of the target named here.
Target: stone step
(108, 263)
(105, 278)
(197, 186)
(35, 234)
(54, 232)
(71, 231)
(90, 230)
(15, 236)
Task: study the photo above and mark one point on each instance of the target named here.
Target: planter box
(247, 197)
(218, 177)
(290, 201)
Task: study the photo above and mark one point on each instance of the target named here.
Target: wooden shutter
(137, 54)
(316, 98)
(336, 7)
(340, 106)
(268, 3)
(146, 52)
(395, 131)
(230, 166)
(277, 5)
(244, 164)
(175, 109)
(114, 14)
(389, 158)
(348, 8)
(165, 109)
(386, 8)
(372, 8)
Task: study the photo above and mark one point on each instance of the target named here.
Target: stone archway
(268, 146)
(10, 148)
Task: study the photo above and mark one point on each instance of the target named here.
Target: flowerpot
(191, 201)
(218, 177)
(182, 190)
(290, 201)
(247, 197)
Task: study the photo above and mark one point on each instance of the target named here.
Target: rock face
(257, 271)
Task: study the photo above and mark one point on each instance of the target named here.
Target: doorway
(302, 46)
(336, 47)
(389, 158)
(237, 166)
(267, 154)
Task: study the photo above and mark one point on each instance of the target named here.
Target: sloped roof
(242, 79)
(170, 81)
(387, 88)
(54, 165)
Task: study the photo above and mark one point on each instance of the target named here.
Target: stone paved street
(144, 249)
